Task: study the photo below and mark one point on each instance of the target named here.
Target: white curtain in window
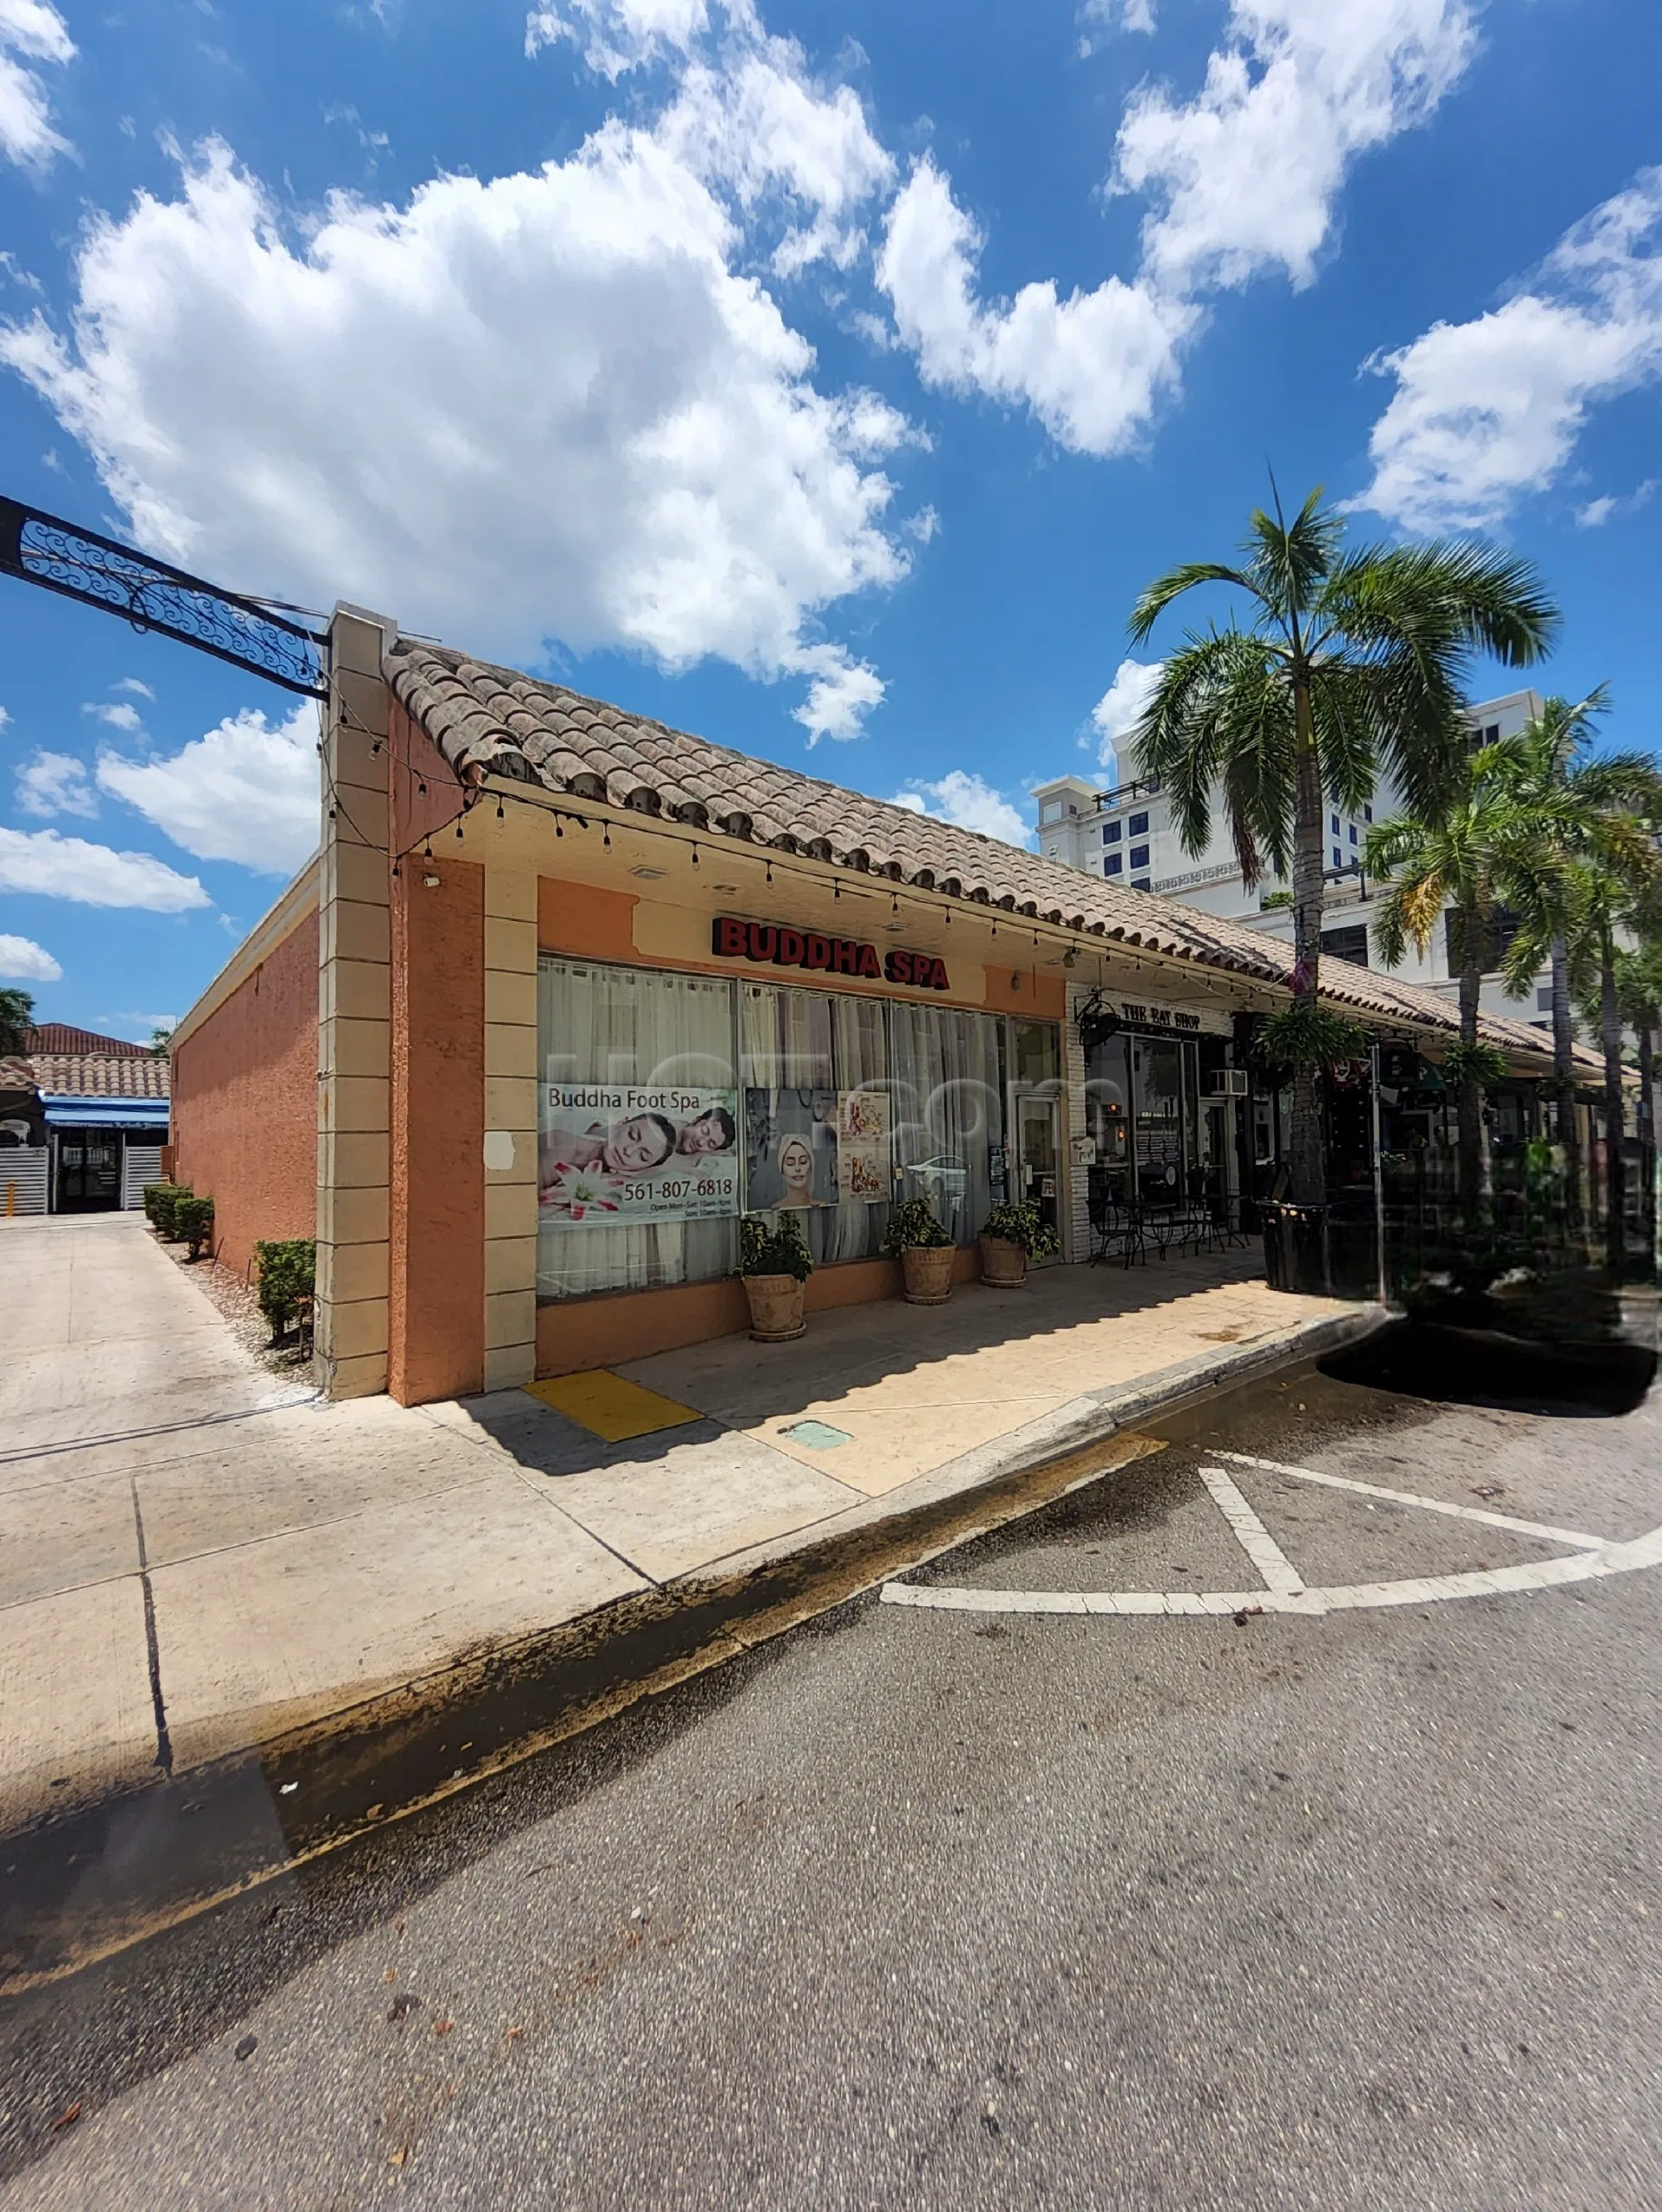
(948, 1112)
(619, 1026)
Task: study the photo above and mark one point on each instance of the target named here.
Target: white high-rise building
(1127, 835)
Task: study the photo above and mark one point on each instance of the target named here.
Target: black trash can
(1295, 1256)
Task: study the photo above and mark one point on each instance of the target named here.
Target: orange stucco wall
(244, 1103)
(435, 1288)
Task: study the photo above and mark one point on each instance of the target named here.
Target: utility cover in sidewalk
(818, 1435)
(610, 1406)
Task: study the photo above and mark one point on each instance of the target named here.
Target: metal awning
(64, 1113)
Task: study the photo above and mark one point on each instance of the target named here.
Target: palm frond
(1158, 596)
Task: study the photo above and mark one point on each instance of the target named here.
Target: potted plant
(1014, 1235)
(925, 1251)
(775, 1264)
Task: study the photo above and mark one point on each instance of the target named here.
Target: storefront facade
(590, 990)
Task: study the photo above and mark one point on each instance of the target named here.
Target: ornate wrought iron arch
(150, 595)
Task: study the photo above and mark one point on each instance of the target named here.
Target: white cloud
(22, 961)
(1598, 512)
(54, 783)
(1487, 411)
(841, 694)
(1121, 706)
(617, 35)
(5, 717)
(1245, 173)
(135, 684)
(560, 377)
(1091, 367)
(34, 29)
(1116, 16)
(118, 714)
(53, 867)
(969, 802)
(245, 792)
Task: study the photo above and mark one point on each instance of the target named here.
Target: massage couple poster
(614, 1154)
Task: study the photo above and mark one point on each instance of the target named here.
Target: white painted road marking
(1594, 1559)
(1547, 1534)
(1254, 1539)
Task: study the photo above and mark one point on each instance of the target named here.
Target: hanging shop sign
(609, 1155)
(766, 944)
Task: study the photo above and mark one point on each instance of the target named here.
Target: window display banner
(790, 1148)
(612, 1154)
(863, 1169)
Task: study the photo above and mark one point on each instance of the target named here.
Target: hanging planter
(925, 1251)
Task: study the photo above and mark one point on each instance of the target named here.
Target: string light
(500, 815)
(770, 871)
(609, 835)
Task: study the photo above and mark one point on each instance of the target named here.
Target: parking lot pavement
(945, 1909)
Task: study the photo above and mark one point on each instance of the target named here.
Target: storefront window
(638, 1157)
(1108, 1114)
(670, 1104)
(949, 1120)
(1157, 1076)
(815, 1068)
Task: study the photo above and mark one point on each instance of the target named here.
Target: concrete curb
(114, 1871)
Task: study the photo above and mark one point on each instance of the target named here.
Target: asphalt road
(987, 1909)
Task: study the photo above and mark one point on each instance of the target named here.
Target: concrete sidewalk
(194, 1566)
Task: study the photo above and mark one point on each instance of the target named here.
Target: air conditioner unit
(1228, 1082)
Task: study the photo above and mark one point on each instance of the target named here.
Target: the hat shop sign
(772, 945)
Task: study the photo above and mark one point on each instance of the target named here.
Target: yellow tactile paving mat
(609, 1406)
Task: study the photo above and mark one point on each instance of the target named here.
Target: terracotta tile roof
(489, 720)
(59, 1037)
(100, 1074)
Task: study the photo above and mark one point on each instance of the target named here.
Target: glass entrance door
(1038, 1145)
(89, 1170)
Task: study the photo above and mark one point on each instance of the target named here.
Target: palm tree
(1350, 664)
(1482, 847)
(1552, 743)
(1606, 883)
(1639, 1001)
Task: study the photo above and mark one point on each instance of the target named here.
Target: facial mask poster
(612, 1154)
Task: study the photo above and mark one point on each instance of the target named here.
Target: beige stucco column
(510, 1126)
(354, 1016)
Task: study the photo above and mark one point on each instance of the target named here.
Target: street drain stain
(818, 1435)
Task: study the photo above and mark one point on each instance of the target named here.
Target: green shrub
(193, 1221)
(287, 1275)
(913, 1223)
(152, 1191)
(1017, 1222)
(164, 1208)
(781, 1250)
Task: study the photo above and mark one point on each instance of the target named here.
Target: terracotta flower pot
(775, 1308)
(929, 1273)
(1004, 1265)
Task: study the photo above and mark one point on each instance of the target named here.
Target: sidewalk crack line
(153, 1650)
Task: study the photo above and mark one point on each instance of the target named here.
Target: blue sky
(827, 379)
